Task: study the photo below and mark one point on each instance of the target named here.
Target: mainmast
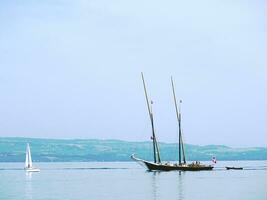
(178, 115)
(149, 107)
(183, 148)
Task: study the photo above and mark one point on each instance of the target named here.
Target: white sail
(30, 157)
(27, 158)
(28, 161)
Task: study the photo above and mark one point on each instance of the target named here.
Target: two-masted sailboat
(28, 161)
(158, 165)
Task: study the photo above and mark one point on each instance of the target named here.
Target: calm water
(120, 181)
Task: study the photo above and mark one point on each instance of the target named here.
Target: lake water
(129, 181)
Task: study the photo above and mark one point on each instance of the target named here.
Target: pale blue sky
(71, 69)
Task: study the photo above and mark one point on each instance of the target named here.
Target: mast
(154, 135)
(149, 107)
(181, 132)
(178, 116)
(183, 148)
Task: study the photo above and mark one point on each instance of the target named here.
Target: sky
(72, 69)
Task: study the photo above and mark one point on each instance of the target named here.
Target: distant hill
(59, 150)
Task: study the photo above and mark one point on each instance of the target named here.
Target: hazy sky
(71, 69)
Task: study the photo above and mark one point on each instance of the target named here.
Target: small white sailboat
(28, 161)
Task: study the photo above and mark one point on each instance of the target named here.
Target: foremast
(156, 152)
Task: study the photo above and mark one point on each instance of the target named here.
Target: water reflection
(180, 186)
(155, 188)
(28, 185)
(162, 189)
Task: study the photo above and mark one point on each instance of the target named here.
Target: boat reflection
(180, 187)
(28, 186)
(162, 189)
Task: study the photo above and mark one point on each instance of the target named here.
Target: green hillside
(57, 150)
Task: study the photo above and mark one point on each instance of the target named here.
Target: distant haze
(71, 69)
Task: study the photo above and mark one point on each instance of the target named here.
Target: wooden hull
(172, 167)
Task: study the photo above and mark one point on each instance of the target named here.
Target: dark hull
(234, 168)
(169, 167)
